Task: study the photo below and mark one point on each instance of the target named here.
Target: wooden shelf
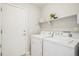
(41, 22)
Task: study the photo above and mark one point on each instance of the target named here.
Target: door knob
(24, 34)
(24, 31)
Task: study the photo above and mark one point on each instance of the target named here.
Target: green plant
(53, 16)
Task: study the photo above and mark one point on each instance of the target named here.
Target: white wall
(61, 10)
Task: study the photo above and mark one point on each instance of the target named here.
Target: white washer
(36, 45)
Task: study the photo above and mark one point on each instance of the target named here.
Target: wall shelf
(41, 22)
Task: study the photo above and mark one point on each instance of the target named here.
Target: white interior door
(14, 31)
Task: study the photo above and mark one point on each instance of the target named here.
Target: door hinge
(1, 9)
(1, 31)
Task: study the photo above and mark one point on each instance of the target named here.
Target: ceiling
(39, 4)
